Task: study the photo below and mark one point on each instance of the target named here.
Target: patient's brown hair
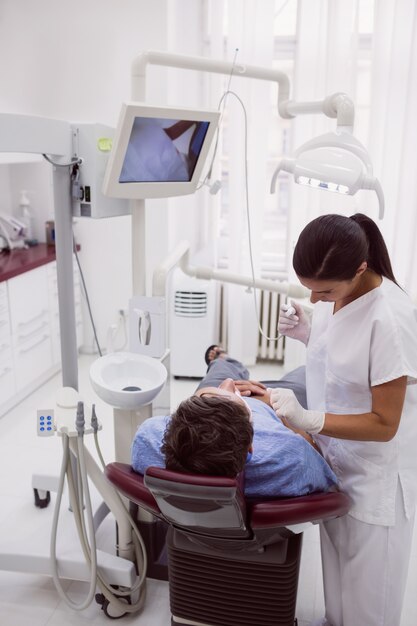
(208, 436)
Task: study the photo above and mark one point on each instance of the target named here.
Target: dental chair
(232, 561)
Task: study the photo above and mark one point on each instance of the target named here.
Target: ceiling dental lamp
(335, 161)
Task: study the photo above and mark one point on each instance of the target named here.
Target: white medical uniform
(368, 342)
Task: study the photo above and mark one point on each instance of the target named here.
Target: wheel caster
(42, 498)
(109, 610)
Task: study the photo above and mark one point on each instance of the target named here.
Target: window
(274, 210)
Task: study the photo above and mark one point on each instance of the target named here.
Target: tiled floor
(31, 598)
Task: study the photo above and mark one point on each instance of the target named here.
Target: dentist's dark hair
(332, 247)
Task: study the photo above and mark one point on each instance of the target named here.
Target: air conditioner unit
(193, 323)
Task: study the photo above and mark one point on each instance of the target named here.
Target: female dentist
(361, 368)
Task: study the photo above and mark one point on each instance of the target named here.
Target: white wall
(71, 61)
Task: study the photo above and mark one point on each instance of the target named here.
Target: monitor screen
(162, 150)
(158, 151)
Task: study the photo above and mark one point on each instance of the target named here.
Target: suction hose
(87, 540)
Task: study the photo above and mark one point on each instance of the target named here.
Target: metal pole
(64, 265)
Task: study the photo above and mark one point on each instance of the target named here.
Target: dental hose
(138, 544)
(66, 469)
(89, 547)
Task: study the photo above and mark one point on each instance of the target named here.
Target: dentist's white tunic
(368, 342)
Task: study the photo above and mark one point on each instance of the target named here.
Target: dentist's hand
(250, 388)
(295, 325)
(286, 405)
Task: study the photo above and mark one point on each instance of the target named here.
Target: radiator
(268, 311)
(268, 305)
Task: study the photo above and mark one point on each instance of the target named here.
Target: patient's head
(209, 433)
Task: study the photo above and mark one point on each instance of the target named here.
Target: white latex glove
(294, 322)
(285, 404)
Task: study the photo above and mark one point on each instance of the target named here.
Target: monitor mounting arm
(337, 105)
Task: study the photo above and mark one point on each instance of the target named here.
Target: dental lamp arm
(381, 200)
(337, 105)
(180, 256)
(161, 272)
(286, 165)
(373, 183)
(202, 64)
(207, 273)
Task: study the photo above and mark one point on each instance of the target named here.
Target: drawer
(28, 299)
(28, 331)
(5, 330)
(3, 292)
(7, 382)
(4, 305)
(32, 358)
(5, 350)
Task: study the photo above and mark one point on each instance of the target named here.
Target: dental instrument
(144, 326)
(69, 423)
(288, 310)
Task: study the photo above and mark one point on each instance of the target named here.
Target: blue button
(41, 428)
(49, 417)
(42, 418)
(49, 428)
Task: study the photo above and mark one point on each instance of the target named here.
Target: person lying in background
(227, 426)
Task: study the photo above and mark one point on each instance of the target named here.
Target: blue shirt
(283, 464)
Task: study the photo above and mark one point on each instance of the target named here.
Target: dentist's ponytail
(332, 247)
(378, 257)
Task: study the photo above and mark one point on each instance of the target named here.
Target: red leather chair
(231, 561)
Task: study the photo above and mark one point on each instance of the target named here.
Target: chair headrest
(124, 478)
(203, 505)
(182, 498)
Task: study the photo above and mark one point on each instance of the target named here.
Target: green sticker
(105, 144)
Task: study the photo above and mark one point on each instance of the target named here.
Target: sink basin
(126, 380)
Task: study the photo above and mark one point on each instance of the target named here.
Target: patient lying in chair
(228, 425)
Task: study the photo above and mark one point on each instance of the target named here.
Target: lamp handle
(286, 165)
(274, 178)
(381, 200)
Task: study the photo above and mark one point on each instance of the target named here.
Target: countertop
(19, 261)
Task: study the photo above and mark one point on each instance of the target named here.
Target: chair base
(247, 588)
(153, 534)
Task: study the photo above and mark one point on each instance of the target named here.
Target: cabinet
(7, 379)
(29, 332)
